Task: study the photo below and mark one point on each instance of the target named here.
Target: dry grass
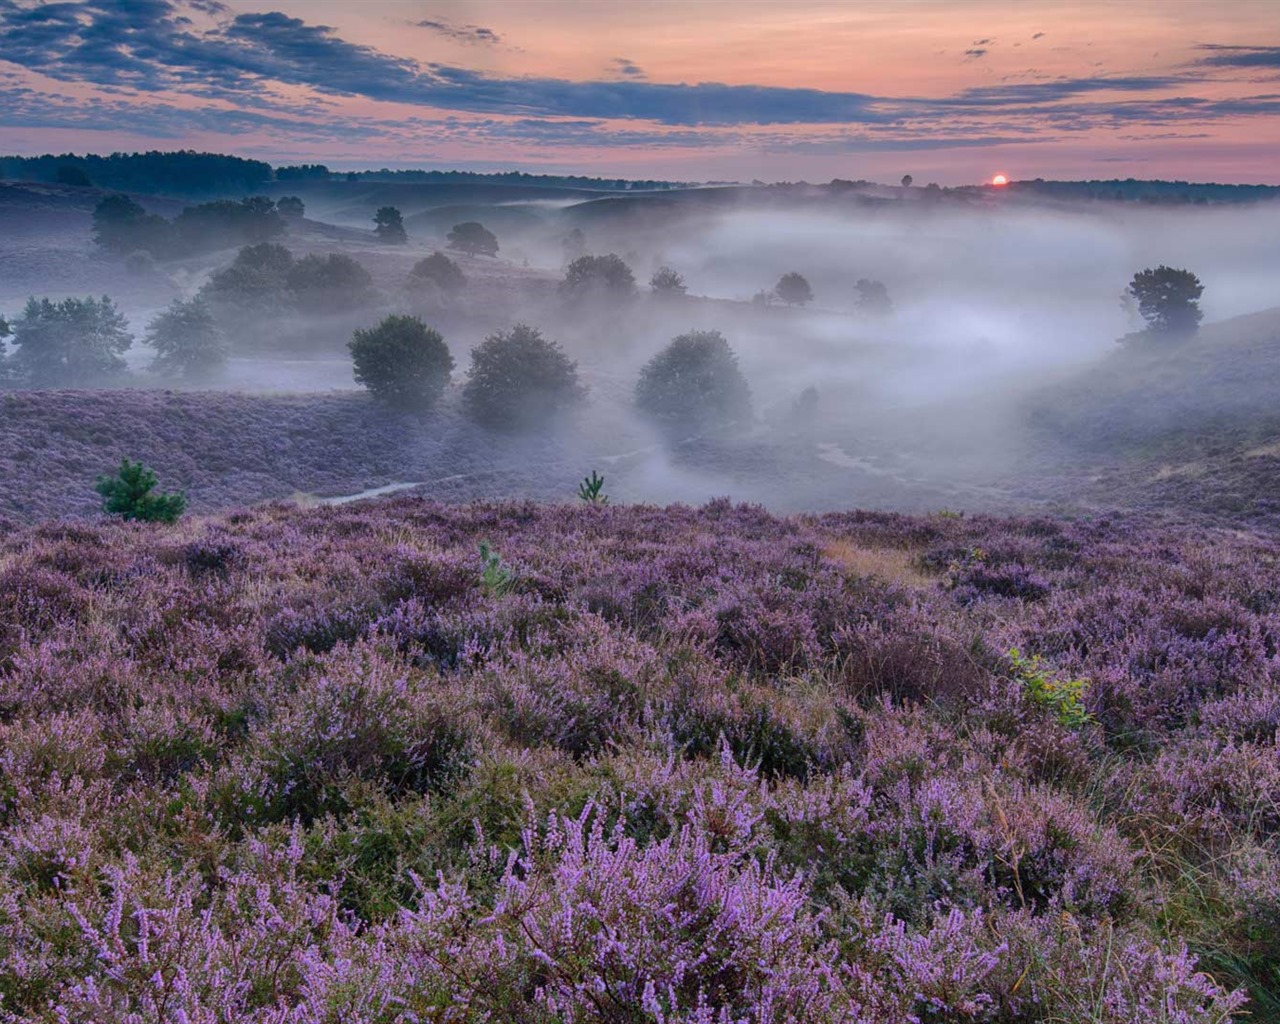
(894, 565)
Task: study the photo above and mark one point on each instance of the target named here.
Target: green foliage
(1168, 299)
(71, 174)
(291, 207)
(4, 328)
(873, 297)
(120, 225)
(591, 490)
(186, 339)
(473, 238)
(129, 495)
(256, 280)
(495, 577)
(793, 289)
(666, 281)
(439, 270)
(329, 284)
(1063, 697)
(402, 361)
(598, 276)
(70, 343)
(694, 383)
(520, 379)
(389, 226)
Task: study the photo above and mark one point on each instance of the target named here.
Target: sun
(1000, 179)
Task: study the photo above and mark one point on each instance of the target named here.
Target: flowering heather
(687, 765)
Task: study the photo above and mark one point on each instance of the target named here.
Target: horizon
(949, 92)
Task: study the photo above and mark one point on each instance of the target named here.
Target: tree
(907, 180)
(519, 379)
(128, 495)
(793, 289)
(121, 225)
(186, 339)
(389, 226)
(439, 270)
(70, 343)
(694, 383)
(873, 297)
(329, 284)
(256, 280)
(598, 276)
(291, 207)
(668, 282)
(1168, 299)
(575, 245)
(473, 238)
(402, 362)
(70, 174)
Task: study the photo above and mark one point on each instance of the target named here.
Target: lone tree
(694, 383)
(128, 495)
(793, 289)
(667, 282)
(598, 277)
(402, 362)
(520, 379)
(70, 343)
(873, 297)
(329, 284)
(473, 238)
(437, 269)
(186, 339)
(291, 207)
(907, 180)
(389, 226)
(1168, 299)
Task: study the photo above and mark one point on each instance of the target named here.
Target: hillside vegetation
(697, 765)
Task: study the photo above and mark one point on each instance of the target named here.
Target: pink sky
(950, 92)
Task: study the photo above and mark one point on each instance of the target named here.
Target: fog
(997, 300)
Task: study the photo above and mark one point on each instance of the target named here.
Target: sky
(946, 91)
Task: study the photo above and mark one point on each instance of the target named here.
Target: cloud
(1038, 35)
(975, 53)
(1242, 56)
(461, 33)
(628, 68)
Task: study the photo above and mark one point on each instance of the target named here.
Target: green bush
(599, 277)
(694, 383)
(437, 269)
(519, 379)
(70, 343)
(389, 226)
(402, 362)
(186, 339)
(129, 495)
(473, 238)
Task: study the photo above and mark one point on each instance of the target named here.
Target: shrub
(291, 207)
(668, 282)
(186, 339)
(70, 343)
(598, 277)
(591, 490)
(121, 225)
(437, 269)
(128, 495)
(873, 297)
(389, 226)
(518, 378)
(793, 289)
(473, 238)
(1064, 698)
(257, 279)
(694, 383)
(329, 284)
(402, 362)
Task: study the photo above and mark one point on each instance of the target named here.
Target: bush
(291, 207)
(694, 383)
(437, 269)
(121, 225)
(666, 281)
(329, 284)
(793, 289)
(257, 279)
(128, 495)
(873, 297)
(519, 379)
(473, 238)
(186, 339)
(70, 343)
(598, 276)
(402, 362)
(389, 227)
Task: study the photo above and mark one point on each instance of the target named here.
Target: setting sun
(1000, 179)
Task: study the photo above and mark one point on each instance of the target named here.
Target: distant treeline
(154, 173)
(318, 172)
(1133, 190)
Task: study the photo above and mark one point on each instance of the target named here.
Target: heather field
(638, 763)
